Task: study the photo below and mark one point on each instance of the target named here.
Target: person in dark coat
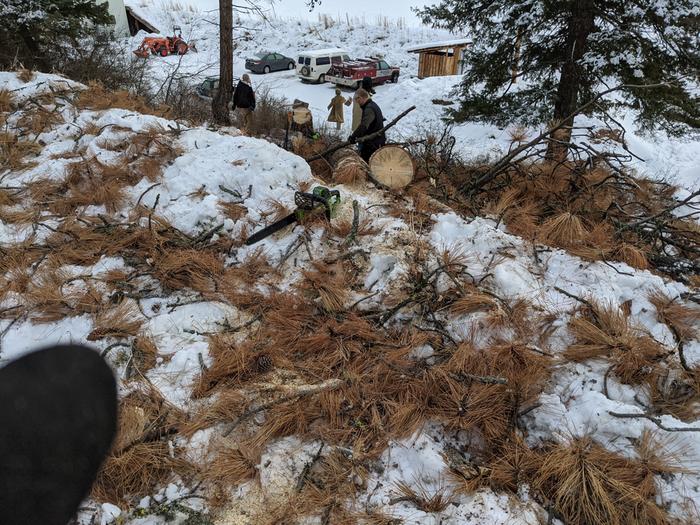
(366, 84)
(372, 121)
(244, 101)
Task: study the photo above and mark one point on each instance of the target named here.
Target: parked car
(208, 88)
(350, 73)
(313, 66)
(267, 62)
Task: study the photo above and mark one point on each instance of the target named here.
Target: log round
(348, 167)
(301, 116)
(392, 166)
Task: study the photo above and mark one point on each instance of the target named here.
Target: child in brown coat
(336, 106)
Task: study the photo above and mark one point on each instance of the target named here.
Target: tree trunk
(581, 25)
(220, 104)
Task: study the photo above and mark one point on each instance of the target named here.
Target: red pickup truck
(350, 73)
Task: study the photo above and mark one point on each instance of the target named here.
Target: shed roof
(145, 23)
(439, 45)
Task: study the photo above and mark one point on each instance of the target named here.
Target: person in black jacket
(372, 122)
(244, 101)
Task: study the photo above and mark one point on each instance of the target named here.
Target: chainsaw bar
(319, 199)
(272, 228)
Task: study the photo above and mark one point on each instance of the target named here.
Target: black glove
(352, 139)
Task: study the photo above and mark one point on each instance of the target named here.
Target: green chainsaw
(319, 199)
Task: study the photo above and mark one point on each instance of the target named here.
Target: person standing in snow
(372, 121)
(244, 101)
(356, 109)
(336, 106)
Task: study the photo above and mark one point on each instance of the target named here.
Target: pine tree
(562, 52)
(31, 29)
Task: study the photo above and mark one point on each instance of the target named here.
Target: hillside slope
(660, 156)
(126, 230)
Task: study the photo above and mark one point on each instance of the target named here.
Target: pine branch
(502, 164)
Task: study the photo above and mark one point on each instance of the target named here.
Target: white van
(312, 66)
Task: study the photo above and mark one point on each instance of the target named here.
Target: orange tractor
(164, 46)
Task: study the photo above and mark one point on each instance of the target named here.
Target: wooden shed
(440, 58)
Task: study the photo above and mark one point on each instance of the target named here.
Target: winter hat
(367, 84)
(337, 91)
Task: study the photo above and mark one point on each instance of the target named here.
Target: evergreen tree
(564, 51)
(32, 29)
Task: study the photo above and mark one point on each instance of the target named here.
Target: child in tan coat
(337, 111)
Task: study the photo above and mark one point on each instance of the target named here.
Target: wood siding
(434, 62)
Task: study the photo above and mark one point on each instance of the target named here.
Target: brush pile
(397, 365)
(592, 206)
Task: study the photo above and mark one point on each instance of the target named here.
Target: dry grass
(462, 403)
(188, 268)
(253, 270)
(19, 216)
(514, 463)
(566, 230)
(25, 75)
(44, 298)
(48, 296)
(589, 485)
(425, 499)
(232, 363)
(605, 331)
(7, 100)
(39, 120)
(122, 321)
(97, 97)
(14, 152)
(473, 301)
(233, 211)
(342, 228)
(578, 208)
(142, 458)
(135, 472)
(675, 391)
(232, 465)
(630, 254)
(682, 319)
(328, 285)
(224, 408)
(86, 182)
(145, 353)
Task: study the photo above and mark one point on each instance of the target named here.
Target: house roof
(439, 45)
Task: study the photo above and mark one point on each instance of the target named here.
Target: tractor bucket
(143, 53)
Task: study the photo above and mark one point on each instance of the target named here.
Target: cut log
(301, 116)
(348, 167)
(392, 166)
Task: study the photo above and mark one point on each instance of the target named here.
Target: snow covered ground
(189, 196)
(194, 186)
(675, 159)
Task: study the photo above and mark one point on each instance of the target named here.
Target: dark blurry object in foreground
(58, 416)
